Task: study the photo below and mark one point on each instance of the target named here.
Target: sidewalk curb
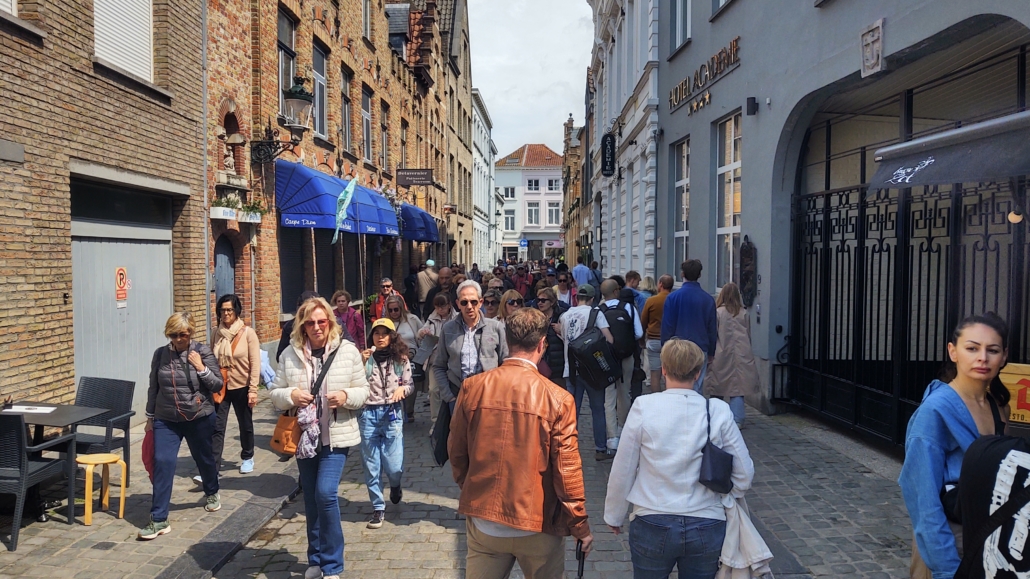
(205, 558)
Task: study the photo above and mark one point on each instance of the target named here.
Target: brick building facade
(101, 168)
(572, 191)
(377, 78)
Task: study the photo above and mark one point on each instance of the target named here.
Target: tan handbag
(286, 435)
(217, 397)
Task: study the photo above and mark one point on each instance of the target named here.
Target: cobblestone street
(823, 513)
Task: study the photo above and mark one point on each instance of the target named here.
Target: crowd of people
(498, 354)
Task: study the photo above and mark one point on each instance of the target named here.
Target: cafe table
(62, 415)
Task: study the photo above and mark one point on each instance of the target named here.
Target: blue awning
(417, 224)
(432, 231)
(307, 198)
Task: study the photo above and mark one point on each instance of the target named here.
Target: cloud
(529, 60)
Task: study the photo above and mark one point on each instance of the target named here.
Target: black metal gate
(881, 277)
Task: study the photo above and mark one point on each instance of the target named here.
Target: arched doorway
(225, 267)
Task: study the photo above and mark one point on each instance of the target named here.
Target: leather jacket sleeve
(568, 472)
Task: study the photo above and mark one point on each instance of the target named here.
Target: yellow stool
(90, 461)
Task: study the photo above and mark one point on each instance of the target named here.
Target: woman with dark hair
(349, 319)
(966, 403)
(239, 355)
(382, 420)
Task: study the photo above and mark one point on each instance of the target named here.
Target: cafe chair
(19, 471)
(116, 397)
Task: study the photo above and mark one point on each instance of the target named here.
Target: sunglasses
(386, 286)
(490, 303)
(516, 302)
(180, 335)
(542, 300)
(563, 280)
(312, 323)
(464, 303)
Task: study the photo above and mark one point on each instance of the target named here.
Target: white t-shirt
(564, 297)
(573, 323)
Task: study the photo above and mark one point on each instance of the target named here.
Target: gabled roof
(532, 155)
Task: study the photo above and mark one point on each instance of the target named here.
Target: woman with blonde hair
(648, 286)
(511, 301)
(323, 378)
(732, 373)
(184, 375)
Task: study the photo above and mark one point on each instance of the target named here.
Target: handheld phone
(581, 557)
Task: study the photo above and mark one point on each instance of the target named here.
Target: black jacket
(555, 353)
(177, 392)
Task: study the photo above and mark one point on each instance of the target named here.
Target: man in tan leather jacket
(514, 452)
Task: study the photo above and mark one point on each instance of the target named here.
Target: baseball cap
(551, 271)
(430, 262)
(386, 322)
(586, 290)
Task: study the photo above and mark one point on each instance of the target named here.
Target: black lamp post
(297, 103)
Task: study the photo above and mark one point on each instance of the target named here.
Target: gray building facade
(771, 116)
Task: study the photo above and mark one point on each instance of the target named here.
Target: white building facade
(624, 64)
(530, 183)
(484, 202)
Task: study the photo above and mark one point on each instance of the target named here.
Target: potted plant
(225, 206)
(251, 211)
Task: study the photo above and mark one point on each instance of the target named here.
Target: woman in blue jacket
(967, 403)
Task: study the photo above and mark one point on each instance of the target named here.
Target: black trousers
(244, 416)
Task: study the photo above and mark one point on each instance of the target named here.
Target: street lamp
(297, 104)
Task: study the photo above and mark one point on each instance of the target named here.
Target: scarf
(308, 417)
(223, 347)
(381, 356)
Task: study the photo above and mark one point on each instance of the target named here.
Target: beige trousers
(617, 400)
(540, 556)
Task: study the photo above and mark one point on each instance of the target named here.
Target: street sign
(408, 177)
(523, 243)
(608, 155)
(121, 286)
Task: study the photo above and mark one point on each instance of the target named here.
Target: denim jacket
(938, 434)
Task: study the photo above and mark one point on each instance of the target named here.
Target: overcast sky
(529, 59)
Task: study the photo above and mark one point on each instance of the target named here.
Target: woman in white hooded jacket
(329, 421)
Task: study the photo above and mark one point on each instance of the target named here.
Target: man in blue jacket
(690, 315)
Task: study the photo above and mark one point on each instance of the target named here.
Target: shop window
(533, 213)
(123, 35)
(681, 192)
(318, 59)
(346, 111)
(728, 183)
(287, 56)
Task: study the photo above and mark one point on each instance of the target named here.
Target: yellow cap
(388, 323)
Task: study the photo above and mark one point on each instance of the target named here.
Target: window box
(223, 213)
(244, 217)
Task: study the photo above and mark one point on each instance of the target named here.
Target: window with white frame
(366, 18)
(533, 213)
(554, 184)
(366, 125)
(553, 213)
(533, 185)
(345, 111)
(123, 34)
(509, 220)
(318, 108)
(681, 157)
(728, 183)
(509, 192)
(287, 56)
(384, 135)
(9, 6)
(679, 23)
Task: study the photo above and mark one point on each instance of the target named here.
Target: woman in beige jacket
(732, 373)
(239, 355)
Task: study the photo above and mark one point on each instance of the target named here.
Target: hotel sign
(693, 89)
(608, 155)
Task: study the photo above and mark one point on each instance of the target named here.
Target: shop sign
(608, 155)
(409, 177)
(694, 88)
(1016, 377)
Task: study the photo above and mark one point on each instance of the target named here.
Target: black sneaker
(376, 520)
(603, 455)
(396, 494)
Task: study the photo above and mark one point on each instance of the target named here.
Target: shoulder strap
(708, 414)
(236, 338)
(325, 370)
(1004, 512)
(592, 320)
(999, 424)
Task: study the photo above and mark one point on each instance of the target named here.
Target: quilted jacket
(347, 373)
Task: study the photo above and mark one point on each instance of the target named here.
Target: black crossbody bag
(716, 463)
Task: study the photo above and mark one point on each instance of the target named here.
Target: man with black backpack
(624, 324)
(585, 362)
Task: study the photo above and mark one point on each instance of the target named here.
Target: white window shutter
(9, 6)
(123, 35)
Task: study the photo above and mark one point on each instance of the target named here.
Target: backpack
(591, 358)
(620, 324)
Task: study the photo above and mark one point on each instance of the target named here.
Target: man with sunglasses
(501, 273)
(469, 344)
(385, 291)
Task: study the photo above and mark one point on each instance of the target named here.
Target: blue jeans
(737, 407)
(577, 387)
(659, 542)
(168, 437)
(700, 382)
(320, 481)
(382, 446)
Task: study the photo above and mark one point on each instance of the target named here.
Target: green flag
(341, 205)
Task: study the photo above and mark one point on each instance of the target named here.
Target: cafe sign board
(1016, 377)
(693, 89)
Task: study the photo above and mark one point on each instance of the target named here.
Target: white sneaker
(613, 443)
(198, 480)
(313, 573)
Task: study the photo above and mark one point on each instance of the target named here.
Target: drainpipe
(207, 220)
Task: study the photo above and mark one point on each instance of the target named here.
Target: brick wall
(60, 106)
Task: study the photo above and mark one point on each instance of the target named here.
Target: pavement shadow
(266, 562)
(265, 485)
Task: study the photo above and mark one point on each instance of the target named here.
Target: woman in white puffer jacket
(329, 420)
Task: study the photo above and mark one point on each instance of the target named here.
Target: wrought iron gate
(881, 277)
